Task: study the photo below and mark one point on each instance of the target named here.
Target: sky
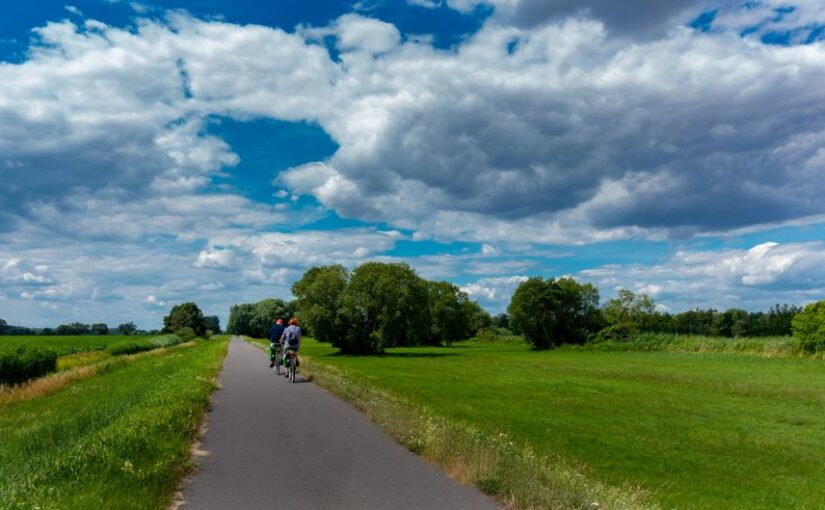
(163, 151)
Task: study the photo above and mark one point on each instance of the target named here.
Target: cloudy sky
(172, 150)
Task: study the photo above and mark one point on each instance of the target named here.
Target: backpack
(290, 337)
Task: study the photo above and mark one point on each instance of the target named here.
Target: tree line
(550, 312)
(369, 309)
(202, 323)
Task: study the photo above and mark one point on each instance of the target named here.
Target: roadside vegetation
(119, 439)
(571, 427)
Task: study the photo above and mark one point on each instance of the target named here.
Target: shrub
(26, 363)
(809, 328)
(186, 334)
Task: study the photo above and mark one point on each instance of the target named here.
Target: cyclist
(291, 339)
(275, 333)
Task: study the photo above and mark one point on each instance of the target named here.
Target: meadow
(690, 429)
(64, 345)
(119, 438)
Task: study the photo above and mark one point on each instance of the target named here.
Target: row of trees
(382, 305)
(255, 319)
(555, 311)
(75, 328)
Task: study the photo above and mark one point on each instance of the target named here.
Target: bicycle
(291, 364)
(275, 356)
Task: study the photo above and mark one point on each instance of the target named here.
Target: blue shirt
(275, 333)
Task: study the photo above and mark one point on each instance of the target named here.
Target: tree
(264, 314)
(501, 320)
(186, 315)
(477, 317)
(240, 319)
(318, 302)
(448, 320)
(809, 328)
(75, 328)
(627, 314)
(3, 325)
(127, 328)
(213, 323)
(99, 329)
(552, 312)
(385, 305)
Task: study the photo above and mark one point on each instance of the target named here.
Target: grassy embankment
(119, 439)
(704, 430)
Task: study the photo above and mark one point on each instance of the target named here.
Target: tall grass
(663, 342)
(64, 345)
(120, 439)
(24, 363)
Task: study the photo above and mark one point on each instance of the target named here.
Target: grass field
(64, 345)
(702, 430)
(119, 439)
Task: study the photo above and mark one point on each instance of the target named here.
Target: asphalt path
(276, 444)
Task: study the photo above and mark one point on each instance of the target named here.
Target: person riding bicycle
(275, 333)
(291, 338)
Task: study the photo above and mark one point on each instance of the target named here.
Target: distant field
(118, 439)
(704, 430)
(64, 345)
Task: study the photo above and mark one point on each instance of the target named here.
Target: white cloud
(756, 278)
(494, 293)
(216, 259)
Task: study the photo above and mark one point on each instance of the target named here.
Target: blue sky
(158, 152)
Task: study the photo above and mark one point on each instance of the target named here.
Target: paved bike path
(275, 444)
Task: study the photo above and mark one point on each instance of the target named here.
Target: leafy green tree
(186, 315)
(127, 328)
(553, 312)
(448, 320)
(477, 317)
(3, 325)
(809, 328)
(213, 323)
(240, 319)
(627, 314)
(264, 314)
(99, 329)
(318, 302)
(385, 305)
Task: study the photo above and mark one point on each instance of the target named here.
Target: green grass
(64, 345)
(695, 430)
(119, 439)
(663, 342)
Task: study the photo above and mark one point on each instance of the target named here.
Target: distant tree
(501, 320)
(75, 328)
(99, 329)
(240, 319)
(477, 317)
(264, 314)
(127, 328)
(318, 302)
(448, 320)
(47, 331)
(553, 312)
(213, 323)
(3, 323)
(386, 305)
(186, 334)
(809, 328)
(186, 315)
(627, 314)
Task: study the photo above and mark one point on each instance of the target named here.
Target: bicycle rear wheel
(292, 369)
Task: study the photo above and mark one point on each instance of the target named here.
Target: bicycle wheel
(277, 363)
(292, 368)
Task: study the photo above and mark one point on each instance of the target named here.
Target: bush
(26, 363)
(186, 334)
(809, 328)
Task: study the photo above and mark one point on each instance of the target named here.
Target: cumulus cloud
(755, 278)
(494, 293)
